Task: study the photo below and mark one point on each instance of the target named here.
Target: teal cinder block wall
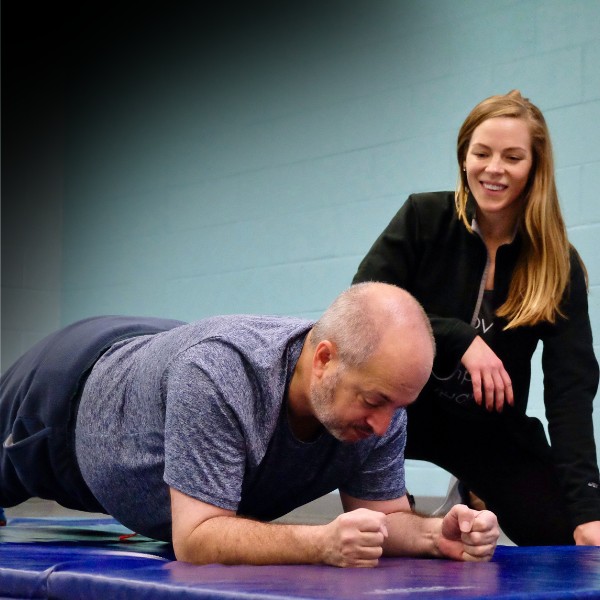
(249, 170)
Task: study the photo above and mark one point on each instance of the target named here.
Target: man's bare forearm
(351, 540)
(354, 539)
(235, 540)
(411, 534)
(463, 534)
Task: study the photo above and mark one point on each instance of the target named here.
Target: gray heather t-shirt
(201, 408)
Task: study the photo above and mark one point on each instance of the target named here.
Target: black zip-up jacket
(427, 250)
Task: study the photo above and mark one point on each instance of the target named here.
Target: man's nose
(380, 421)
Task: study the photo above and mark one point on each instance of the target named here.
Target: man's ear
(325, 352)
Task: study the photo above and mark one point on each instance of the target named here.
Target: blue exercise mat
(42, 558)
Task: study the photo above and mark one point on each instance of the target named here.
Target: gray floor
(318, 512)
(45, 508)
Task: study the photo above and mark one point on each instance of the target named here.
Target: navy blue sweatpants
(39, 396)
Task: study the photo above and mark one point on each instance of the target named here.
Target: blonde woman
(493, 267)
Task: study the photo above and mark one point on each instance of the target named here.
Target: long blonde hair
(542, 271)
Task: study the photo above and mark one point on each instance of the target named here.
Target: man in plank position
(201, 433)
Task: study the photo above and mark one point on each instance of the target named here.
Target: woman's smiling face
(498, 163)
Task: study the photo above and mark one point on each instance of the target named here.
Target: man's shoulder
(237, 330)
(232, 349)
(250, 333)
(236, 322)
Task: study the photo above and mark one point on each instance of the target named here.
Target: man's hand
(463, 534)
(355, 539)
(491, 382)
(468, 534)
(587, 534)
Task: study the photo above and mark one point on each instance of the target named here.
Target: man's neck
(301, 419)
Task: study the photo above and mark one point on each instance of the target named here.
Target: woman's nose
(495, 165)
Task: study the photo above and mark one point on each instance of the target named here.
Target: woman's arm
(492, 385)
(425, 250)
(570, 385)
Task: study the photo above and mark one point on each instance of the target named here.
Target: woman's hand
(587, 534)
(491, 382)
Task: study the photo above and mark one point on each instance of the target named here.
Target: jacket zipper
(475, 316)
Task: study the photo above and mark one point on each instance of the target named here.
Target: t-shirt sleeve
(381, 476)
(205, 450)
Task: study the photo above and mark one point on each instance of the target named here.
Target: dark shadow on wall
(60, 57)
(75, 76)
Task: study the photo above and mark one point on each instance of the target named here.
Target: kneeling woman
(492, 265)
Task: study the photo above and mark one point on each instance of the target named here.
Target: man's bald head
(365, 314)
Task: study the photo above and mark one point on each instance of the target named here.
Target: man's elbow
(202, 545)
(185, 551)
(194, 552)
(193, 547)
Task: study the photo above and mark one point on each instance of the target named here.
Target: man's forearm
(412, 535)
(463, 534)
(352, 539)
(235, 540)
